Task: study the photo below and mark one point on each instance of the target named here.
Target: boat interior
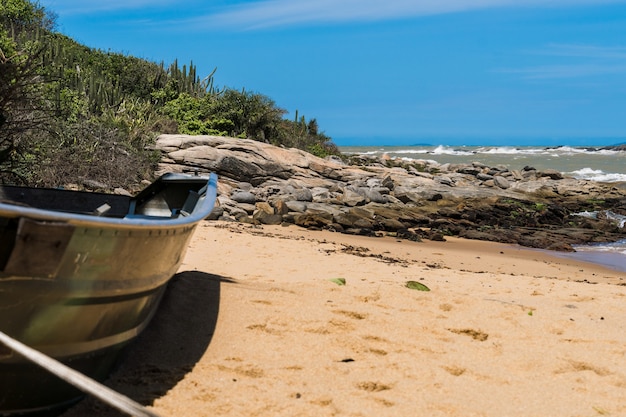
(169, 196)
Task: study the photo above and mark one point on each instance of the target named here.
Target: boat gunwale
(200, 212)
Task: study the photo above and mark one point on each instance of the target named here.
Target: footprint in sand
(351, 314)
(579, 366)
(370, 386)
(264, 328)
(474, 334)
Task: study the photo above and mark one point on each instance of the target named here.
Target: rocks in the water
(261, 183)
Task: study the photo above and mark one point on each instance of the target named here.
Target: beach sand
(255, 325)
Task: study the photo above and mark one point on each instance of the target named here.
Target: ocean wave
(410, 151)
(597, 175)
(488, 150)
(506, 150)
(446, 150)
(569, 150)
(365, 153)
(427, 161)
(618, 247)
(556, 152)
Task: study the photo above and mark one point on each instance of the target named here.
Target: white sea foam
(593, 164)
(506, 150)
(446, 150)
(597, 175)
(610, 254)
(568, 150)
(412, 151)
(430, 162)
(618, 247)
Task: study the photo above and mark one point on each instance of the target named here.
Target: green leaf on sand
(414, 285)
(339, 281)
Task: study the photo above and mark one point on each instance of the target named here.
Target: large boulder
(240, 159)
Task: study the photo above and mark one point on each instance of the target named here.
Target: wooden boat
(81, 275)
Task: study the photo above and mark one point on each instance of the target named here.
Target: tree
(22, 37)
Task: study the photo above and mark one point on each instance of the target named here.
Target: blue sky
(384, 72)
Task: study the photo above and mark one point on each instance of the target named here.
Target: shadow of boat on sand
(169, 347)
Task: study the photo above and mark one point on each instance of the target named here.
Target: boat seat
(102, 210)
(192, 201)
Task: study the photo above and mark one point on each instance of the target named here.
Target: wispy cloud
(582, 61)
(78, 7)
(273, 13)
(257, 14)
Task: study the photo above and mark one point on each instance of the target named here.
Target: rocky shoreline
(264, 184)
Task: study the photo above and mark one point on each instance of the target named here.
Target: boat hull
(79, 291)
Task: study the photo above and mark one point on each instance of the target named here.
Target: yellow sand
(253, 325)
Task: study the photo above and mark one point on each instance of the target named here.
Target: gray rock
(224, 201)
(392, 224)
(388, 182)
(469, 170)
(244, 186)
(382, 190)
(354, 220)
(374, 196)
(421, 174)
(517, 175)
(248, 208)
(237, 213)
(264, 217)
(393, 200)
(303, 194)
(484, 177)
(241, 196)
(374, 182)
(297, 206)
(352, 198)
(406, 196)
(313, 220)
(325, 208)
(550, 173)
(320, 193)
(445, 181)
(216, 213)
(501, 182)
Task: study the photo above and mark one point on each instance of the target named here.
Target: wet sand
(256, 324)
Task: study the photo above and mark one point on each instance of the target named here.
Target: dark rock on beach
(263, 184)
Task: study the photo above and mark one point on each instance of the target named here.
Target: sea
(602, 164)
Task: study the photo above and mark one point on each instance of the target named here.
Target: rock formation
(265, 184)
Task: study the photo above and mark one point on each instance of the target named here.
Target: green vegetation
(339, 281)
(69, 113)
(414, 285)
